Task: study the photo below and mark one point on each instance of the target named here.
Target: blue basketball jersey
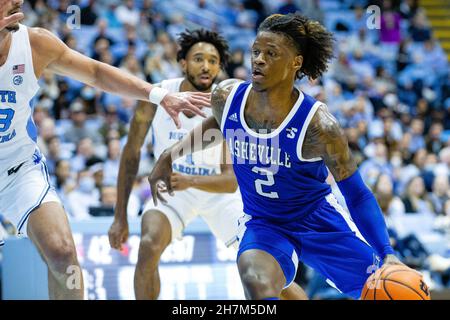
(275, 181)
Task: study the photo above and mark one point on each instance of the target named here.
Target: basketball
(395, 282)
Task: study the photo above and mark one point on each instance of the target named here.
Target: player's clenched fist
(118, 234)
(162, 172)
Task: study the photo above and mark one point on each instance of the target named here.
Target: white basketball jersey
(18, 86)
(165, 134)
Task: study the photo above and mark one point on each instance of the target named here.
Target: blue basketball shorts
(327, 240)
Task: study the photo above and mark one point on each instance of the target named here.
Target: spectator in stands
(440, 194)
(343, 73)
(46, 130)
(390, 204)
(435, 58)
(127, 14)
(416, 137)
(177, 25)
(236, 60)
(390, 24)
(85, 152)
(53, 154)
(63, 179)
(111, 122)
(258, 7)
(360, 20)
(108, 199)
(313, 10)
(353, 142)
(102, 27)
(289, 6)
(416, 199)
(101, 46)
(409, 8)
(419, 29)
(443, 167)
(84, 196)
(403, 57)
(415, 168)
(111, 166)
(361, 66)
(433, 140)
(360, 42)
(108, 196)
(49, 86)
(131, 65)
(376, 164)
(88, 14)
(78, 128)
(96, 168)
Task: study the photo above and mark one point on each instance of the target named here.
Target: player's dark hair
(310, 38)
(189, 38)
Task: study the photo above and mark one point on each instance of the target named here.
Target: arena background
(389, 86)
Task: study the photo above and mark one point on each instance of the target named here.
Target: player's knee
(60, 256)
(150, 248)
(258, 286)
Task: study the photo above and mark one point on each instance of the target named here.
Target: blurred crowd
(388, 87)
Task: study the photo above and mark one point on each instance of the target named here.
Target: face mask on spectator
(396, 161)
(88, 93)
(86, 184)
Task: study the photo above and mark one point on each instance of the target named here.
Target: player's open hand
(8, 14)
(118, 234)
(160, 177)
(174, 103)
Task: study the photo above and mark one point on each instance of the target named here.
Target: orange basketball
(395, 282)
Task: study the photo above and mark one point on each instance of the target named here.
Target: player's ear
(298, 62)
(183, 65)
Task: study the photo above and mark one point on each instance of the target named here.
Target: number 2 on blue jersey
(6, 116)
(268, 182)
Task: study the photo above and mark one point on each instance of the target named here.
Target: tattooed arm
(202, 137)
(129, 165)
(326, 139)
(219, 98)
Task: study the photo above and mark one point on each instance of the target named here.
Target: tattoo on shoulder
(325, 138)
(219, 98)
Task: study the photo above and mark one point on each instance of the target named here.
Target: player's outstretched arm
(325, 138)
(53, 54)
(205, 135)
(128, 168)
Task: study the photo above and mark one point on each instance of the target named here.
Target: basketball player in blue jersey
(26, 197)
(204, 184)
(282, 141)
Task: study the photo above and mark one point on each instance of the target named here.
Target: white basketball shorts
(220, 211)
(23, 188)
